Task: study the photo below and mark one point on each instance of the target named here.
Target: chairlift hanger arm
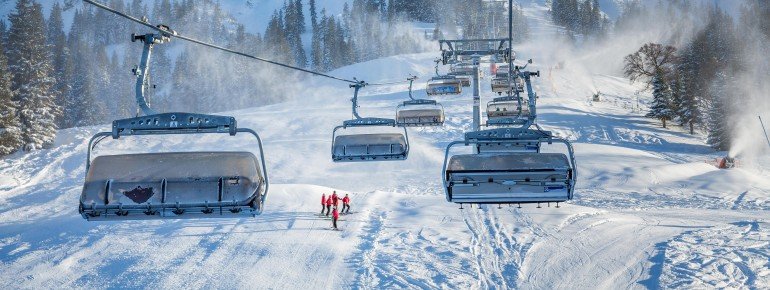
(411, 81)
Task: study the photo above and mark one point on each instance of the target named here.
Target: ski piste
(645, 194)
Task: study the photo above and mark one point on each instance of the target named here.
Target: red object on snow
(323, 198)
(345, 200)
(335, 199)
(329, 201)
(725, 162)
(335, 214)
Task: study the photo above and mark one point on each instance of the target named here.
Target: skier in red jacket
(328, 205)
(323, 202)
(335, 216)
(346, 204)
(335, 198)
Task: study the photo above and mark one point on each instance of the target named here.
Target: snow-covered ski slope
(648, 213)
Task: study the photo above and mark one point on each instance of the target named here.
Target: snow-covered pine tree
(10, 126)
(688, 108)
(30, 64)
(676, 99)
(57, 44)
(584, 17)
(294, 25)
(717, 124)
(661, 102)
(3, 33)
(315, 42)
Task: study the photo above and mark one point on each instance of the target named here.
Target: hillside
(649, 211)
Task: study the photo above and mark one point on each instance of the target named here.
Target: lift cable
(170, 33)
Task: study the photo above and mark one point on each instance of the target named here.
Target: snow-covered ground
(648, 213)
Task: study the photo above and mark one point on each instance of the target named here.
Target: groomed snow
(648, 212)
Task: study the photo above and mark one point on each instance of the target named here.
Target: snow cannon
(726, 162)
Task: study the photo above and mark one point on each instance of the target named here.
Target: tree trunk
(664, 122)
(692, 130)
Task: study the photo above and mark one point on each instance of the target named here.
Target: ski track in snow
(648, 213)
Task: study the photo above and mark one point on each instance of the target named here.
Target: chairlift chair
(509, 168)
(463, 72)
(173, 185)
(370, 146)
(507, 107)
(419, 112)
(501, 84)
(465, 80)
(444, 85)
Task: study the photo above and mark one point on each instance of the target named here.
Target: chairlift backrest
(420, 113)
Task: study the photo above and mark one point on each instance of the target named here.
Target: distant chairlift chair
(507, 107)
(463, 72)
(509, 168)
(443, 85)
(368, 147)
(501, 84)
(419, 112)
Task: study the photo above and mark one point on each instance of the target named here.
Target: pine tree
(10, 126)
(313, 16)
(30, 65)
(689, 110)
(315, 42)
(718, 117)
(3, 33)
(661, 102)
(57, 43)
(676, 99)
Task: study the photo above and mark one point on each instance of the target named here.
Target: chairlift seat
(172, 185)
(501, 178)
(369, 147)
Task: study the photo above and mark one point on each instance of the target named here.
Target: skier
(335, 216)
(335, 198)
(328, 205)
(346, 204)
(323, 202)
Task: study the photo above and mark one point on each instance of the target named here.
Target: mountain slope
(645, 203)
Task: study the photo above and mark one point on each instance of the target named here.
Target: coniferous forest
(54, 77)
